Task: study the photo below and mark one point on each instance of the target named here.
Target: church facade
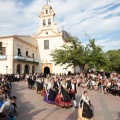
(26, 54)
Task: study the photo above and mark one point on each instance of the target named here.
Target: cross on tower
(48, 1)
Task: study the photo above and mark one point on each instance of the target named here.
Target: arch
(49, 22)
(46, 11)
(26, 69)
(33, 69)
(46, 71)
(18, 69)
(44, 22)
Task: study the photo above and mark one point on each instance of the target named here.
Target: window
(46, 33)
(46, 44)
(49, 22)
(44, 22)
(26, 53)
(33, 55)
(3, 52)
(46, 11)
(19, 52)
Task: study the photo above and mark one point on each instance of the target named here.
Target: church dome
(65, 35)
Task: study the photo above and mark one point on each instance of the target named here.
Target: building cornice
(20, 40)
(2, 37)
(48, 36)
(57, 33)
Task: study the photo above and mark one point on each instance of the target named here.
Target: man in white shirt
(72, 91)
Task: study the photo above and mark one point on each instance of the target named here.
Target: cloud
(107, 44)
(99, 18)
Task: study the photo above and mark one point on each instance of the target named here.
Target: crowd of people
(59, 90)
(55, 90)
(7, 102)
(105, 83)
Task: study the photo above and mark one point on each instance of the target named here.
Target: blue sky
(100, 19)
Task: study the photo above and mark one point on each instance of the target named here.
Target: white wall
(8, 43)
(54, 42)
(24, 47)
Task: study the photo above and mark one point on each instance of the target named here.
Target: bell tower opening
(46, 11)
(44, 22)
(49, 22)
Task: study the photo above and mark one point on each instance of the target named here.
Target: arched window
(44, 22)
(33, 69)
(26, 69)
(46, 11)
(49, 22)
(18, 69)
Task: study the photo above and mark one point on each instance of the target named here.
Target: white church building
(31, 54)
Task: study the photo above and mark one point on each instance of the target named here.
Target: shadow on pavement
(25, 111)
(118, 116)
(73, 115)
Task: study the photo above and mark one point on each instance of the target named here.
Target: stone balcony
(29, 59)
(16, 57)
(3, 57)
(36, 60)
(26, 59)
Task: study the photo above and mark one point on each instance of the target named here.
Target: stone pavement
(32, 106)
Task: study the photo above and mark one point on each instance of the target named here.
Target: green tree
(75, 54)
(69, 54)
(113, 57)
(96, 57)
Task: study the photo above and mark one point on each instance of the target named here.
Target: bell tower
(47, 24)
(47, 17)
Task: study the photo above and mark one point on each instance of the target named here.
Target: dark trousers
(118, 93)
(30, 85)
(18, 79)
(113, 92)
(72, 96)
(108, 90)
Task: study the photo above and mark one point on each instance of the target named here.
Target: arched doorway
(33, 69)
(46, 71)
(26, 69)
(18, 69)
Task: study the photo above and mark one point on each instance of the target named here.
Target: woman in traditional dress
(39, 85)
(50, 93)
(85, 110)
(45, 84)
(63, 98)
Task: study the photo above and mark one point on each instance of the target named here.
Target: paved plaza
(32, 106)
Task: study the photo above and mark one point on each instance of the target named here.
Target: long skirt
(50, 97)
(43, 92)
(61, 103)
(39, 86)
(80, 115)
